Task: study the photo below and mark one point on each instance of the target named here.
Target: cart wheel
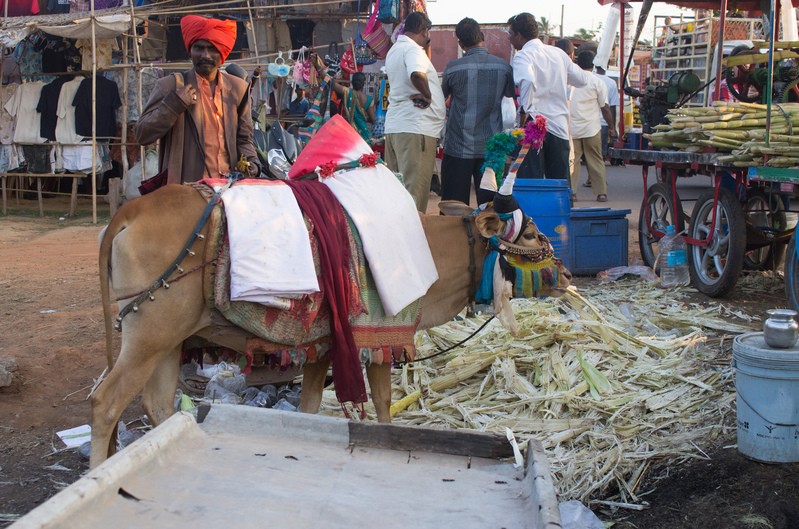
(662, 213)
(740, 79)
(715, 268)
(792, 275)
(762, 210)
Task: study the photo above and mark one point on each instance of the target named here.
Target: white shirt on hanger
(65, 125)
(22, 106)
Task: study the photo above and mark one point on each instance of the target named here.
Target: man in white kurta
(416, 109)
(542, 74)
(588, 103)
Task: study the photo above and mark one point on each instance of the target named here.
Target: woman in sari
(356, 107)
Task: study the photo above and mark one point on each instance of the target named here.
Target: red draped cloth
(330, 227)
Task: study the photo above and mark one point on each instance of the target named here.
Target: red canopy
(742, 5)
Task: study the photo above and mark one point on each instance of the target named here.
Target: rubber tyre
(715, 268)
(764, 210)
(662, 213)
(792, 275)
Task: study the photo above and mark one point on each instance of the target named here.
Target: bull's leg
(158, 397)
(120, 387)
(379, 376)
(313, 382)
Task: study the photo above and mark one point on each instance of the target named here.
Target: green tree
(585, 34)
(543, 27)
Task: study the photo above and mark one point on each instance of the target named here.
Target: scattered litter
(75, 436)
(575, 515)
(58, 466)
(612, 274)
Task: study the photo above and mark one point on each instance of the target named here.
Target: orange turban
(220, 33)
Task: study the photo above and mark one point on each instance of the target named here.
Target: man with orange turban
(202, 116)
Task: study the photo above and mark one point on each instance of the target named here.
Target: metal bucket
(767, 387)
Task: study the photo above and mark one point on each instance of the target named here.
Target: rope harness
(163, 279)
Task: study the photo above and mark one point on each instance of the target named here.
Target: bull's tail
(117, 224)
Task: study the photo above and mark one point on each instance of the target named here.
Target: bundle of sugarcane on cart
(741, 222)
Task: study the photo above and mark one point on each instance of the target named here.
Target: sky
(577, 13)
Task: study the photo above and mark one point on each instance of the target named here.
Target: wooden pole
(137, 60)
(720, 50)
(114, 195)
(619, 142)
(769, 80)
(94, 116)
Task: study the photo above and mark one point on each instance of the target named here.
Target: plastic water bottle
(673, 260)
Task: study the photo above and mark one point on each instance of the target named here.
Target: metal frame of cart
(721, 241)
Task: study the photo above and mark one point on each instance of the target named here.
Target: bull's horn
(489, 181)
(507, 184)
(488, 187)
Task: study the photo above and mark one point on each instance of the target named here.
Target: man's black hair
(417, 22)
(525, 25)
(358, 80)
(468, 32)
(585, 59)
(566, 45)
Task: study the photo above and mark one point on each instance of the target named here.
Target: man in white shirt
(588, 103)
(416, 110)
(542, 72)
(613, 102)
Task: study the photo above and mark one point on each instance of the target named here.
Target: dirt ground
(51, 323)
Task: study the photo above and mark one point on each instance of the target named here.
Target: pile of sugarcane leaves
(735, 128)
(611, 380)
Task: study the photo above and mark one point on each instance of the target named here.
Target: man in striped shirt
(475, 84)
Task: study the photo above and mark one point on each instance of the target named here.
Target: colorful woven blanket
(301, 334)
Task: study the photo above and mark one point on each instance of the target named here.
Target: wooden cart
(251, 467)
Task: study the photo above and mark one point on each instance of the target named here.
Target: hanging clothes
(28, 55)
(65, 111)
(104, 51)
(22, 106)
(60, 55)
(107, 103)
(55, 7)
(6, 119)
(20, 8)
(48, 106)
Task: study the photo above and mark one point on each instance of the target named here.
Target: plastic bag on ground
(575, 515)
(612, 274)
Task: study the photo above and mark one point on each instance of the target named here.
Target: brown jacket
(163, 118)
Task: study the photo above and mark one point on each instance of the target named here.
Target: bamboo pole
(94, 115)
(137, 60)
(114, 198)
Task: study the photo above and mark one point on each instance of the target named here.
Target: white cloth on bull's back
(270, 249)
(393, 239)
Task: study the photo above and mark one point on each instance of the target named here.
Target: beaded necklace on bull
(540, 262)
(504, 249)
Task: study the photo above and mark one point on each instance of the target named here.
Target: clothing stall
(76, 76)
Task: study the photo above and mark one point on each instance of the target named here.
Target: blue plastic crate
(598, 239)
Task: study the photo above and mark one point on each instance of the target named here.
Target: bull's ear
(454, 208)
(488, 224)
